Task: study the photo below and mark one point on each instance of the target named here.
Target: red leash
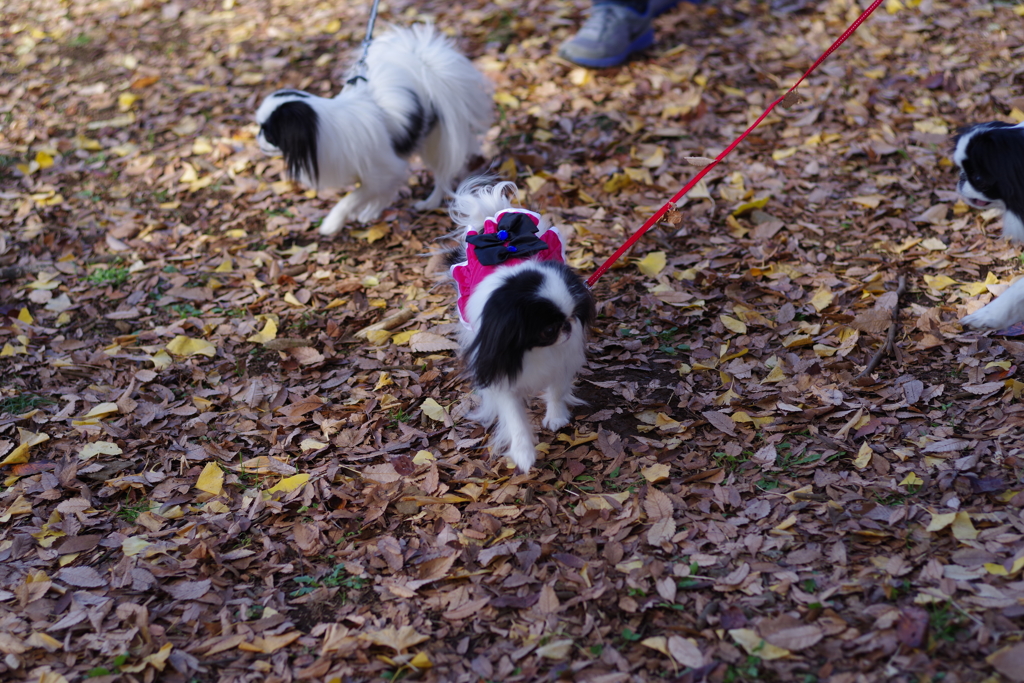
(704, 171)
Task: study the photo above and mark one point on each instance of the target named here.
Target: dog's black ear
(293, 129)
(1004, 160)
(496, 352)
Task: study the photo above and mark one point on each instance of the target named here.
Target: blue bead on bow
(515, 238)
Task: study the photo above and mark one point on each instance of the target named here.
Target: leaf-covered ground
(207, 476)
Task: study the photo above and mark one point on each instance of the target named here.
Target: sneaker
(612, 33)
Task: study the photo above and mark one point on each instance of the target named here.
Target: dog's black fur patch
(293, 128)
(417, 127)
(516, 318)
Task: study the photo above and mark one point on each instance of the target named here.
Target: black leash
(360, 67)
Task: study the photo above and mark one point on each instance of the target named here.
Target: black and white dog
(991, 160)
(525, 315)
(419, 95)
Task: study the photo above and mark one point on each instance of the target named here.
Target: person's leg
(614, 30)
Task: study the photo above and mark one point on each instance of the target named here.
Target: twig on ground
(890, 339)
(388, 323)
(11, 273)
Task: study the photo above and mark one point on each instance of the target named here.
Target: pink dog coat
(471, 272)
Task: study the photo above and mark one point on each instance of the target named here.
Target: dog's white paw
(330, 229)
(332, 223)
(984, 319)
(556, 417)
(523, 456)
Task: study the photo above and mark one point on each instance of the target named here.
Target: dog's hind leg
(442, 164)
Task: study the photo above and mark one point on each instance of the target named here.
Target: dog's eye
(550, 333)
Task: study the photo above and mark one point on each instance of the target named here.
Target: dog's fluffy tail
(459, 95)
(477, 198)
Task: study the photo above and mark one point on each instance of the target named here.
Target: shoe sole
(641, 42)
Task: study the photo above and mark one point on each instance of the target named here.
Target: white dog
(525, 315)
(419, 95)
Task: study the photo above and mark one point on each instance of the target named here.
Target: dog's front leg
(338, 216)
(513, 429)
(1006, 310)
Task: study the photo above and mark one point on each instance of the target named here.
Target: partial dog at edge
(419, 95)
(525, 315)
(991, 161)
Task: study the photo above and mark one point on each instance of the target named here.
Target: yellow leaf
(125, 100)
(226, 266)
(403, 337)
(747, 207)
(290, 298)
(963, 529)
(311, 445)
(939, 282)
(863, 458)
(780, 154)
(378, 337)
(504, 98)
(268, 333)
(655, 160)
(88, 144)
(535, 182)
(617, 182)
(656, 473)
(27, 439)
(423, 457)
(871, 201)
(25, 317)
(201, 146)
(911, 480)
(333, 26)
(187, 346)
(161, 360)
(433, 410)
(20, 506)
(580, 77)
(652, 264)
(102, 410)
(373, 233)
(733, 325)
(624, 567)
(659, 643)
(822, 299)
(576, 440)
(893, 6)
(1016, 114)
(933, 244)
(508, 169)
(44, 159)
(211, 479)
(133, 545)
(421, 661)
(95, 448)
(289, 484)
(996, 569)
(934, 125)
(756, 645)
(940, 521)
